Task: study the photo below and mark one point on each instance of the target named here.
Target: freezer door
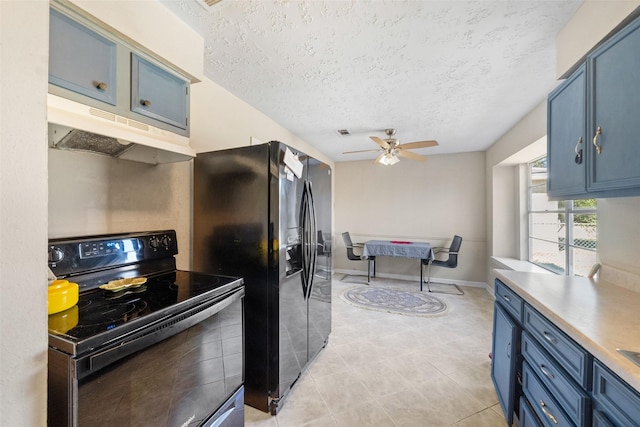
(319, 301)
(292, 308)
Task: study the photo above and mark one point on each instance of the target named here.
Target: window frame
(569, 211)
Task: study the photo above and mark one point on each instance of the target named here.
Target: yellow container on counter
(63, 321)
(62, 295)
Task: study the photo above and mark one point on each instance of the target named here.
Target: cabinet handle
(550, 338)
(543, 406)
(507, 349)
(595, 140)
(101, 86)
(547, 372)
(506, 298)
(578, 158)
(145, 102)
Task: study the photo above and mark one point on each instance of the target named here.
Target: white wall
(502, 225)
(590, 24)
(619, 233)
(23, 212)
(95, 194)
(221, 120)
(414, 201)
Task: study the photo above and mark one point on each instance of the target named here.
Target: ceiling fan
(390, 149)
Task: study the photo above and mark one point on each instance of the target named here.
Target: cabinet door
(566, 126)
(158, 94)
(81, 60)
(504, 365)
(614, 398)
(614, 94)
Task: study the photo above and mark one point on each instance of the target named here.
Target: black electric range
(166, 352)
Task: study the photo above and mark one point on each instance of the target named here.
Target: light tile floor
(382, 369)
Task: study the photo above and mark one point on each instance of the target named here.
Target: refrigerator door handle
(304, 206)
(314, 239)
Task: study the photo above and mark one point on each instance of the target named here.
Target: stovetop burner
(111, 315)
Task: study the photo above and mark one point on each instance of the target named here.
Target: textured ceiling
(460, 72)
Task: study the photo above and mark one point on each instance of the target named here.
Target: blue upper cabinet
(566, 126)
(593, 123)
(93, 66)
(158, 93)
(614, 119)
(81, 60)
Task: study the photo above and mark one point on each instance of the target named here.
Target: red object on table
(400, 242)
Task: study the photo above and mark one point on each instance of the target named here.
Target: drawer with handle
(509, 300)
(548, 409)
(528, 418)
(574, 401)
(573, 358)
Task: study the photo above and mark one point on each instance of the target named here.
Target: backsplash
(94, 194)
(619, 277)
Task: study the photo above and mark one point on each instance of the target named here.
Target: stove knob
(166, 242)
(154, 242)
(55, 255)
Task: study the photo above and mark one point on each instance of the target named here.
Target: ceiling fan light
(389, 159)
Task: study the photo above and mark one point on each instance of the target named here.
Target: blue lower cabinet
(544, 404)
(571, 397)
(505, 354)
(614, 400)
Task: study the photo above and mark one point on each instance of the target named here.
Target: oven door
(180, 372)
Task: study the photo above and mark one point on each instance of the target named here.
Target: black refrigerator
(263, 212)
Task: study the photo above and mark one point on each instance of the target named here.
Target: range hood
(75, 126)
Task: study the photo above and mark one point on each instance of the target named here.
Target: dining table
(398, 249)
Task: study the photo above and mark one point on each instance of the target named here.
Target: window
(563, 235)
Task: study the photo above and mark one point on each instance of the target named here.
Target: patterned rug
(410, 303)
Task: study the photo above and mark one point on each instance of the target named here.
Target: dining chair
(324, 249)
(450, 262)
(348, 243)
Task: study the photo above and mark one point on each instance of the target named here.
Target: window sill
(517, 265)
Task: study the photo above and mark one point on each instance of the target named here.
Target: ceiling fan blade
(418, 144)
(410, 155)
(381, 142)
(359, 151)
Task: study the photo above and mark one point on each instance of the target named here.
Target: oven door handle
(159, 331)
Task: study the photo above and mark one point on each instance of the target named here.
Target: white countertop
(598, 315)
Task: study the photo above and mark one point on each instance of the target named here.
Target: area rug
(411, 303)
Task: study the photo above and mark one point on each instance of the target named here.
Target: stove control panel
(108, 247)
(84, 254)
(161, 242)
